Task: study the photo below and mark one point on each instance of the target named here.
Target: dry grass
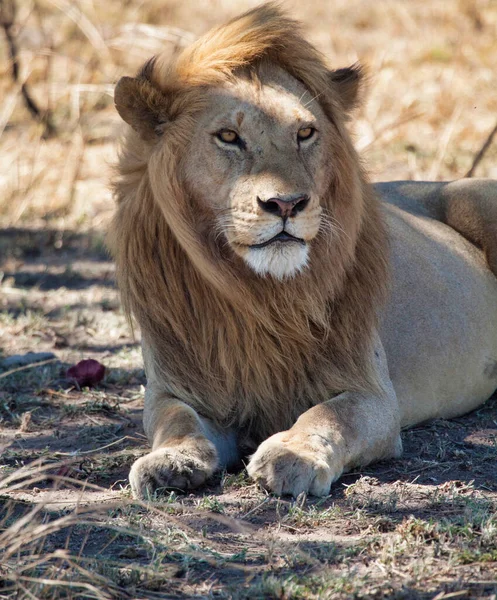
(389, 538)
(430, 104)
(424, 527)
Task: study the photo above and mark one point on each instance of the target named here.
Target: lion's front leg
(186, 449)
(352, 429)
(325, 441)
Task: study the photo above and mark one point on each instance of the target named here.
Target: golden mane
(237, 347)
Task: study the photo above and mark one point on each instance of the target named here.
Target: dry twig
(482, 151)
(30, 366)
(7, 22)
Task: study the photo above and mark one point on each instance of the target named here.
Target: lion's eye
(305, 133)
(228, 137)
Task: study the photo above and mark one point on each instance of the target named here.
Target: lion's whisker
(312, 99)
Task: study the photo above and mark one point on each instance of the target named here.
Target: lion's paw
(291, 464)
(172, 467)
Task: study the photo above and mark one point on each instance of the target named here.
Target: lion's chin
(279, 260)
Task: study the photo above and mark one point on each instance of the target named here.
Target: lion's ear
(346, 84)
(141, 105)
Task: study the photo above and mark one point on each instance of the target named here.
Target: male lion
(253, 253)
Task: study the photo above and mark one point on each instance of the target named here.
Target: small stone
(25, 425)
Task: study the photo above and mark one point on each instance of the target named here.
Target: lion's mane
(243, 349)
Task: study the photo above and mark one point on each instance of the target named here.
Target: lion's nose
(284, 206)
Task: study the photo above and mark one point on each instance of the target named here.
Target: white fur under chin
(278, 260)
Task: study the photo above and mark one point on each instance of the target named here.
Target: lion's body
(253, 253)
(440, 323)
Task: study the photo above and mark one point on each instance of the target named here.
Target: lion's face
(259, 158)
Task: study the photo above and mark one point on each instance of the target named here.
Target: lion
(291, 313)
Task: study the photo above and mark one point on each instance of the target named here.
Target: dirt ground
(424, 526)
(419, 527)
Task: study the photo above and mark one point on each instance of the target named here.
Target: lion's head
(259, 160)
(261, 145)
(244, 217)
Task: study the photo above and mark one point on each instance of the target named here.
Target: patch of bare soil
(424, 526)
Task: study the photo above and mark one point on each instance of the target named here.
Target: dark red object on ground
(87, 372)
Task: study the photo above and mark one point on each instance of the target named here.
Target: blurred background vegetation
(430, 104)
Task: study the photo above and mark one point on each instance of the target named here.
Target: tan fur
(227, 334)
(476, 219)
(233, 357)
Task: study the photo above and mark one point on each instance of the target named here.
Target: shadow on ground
(229, 539)
(29, 245)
